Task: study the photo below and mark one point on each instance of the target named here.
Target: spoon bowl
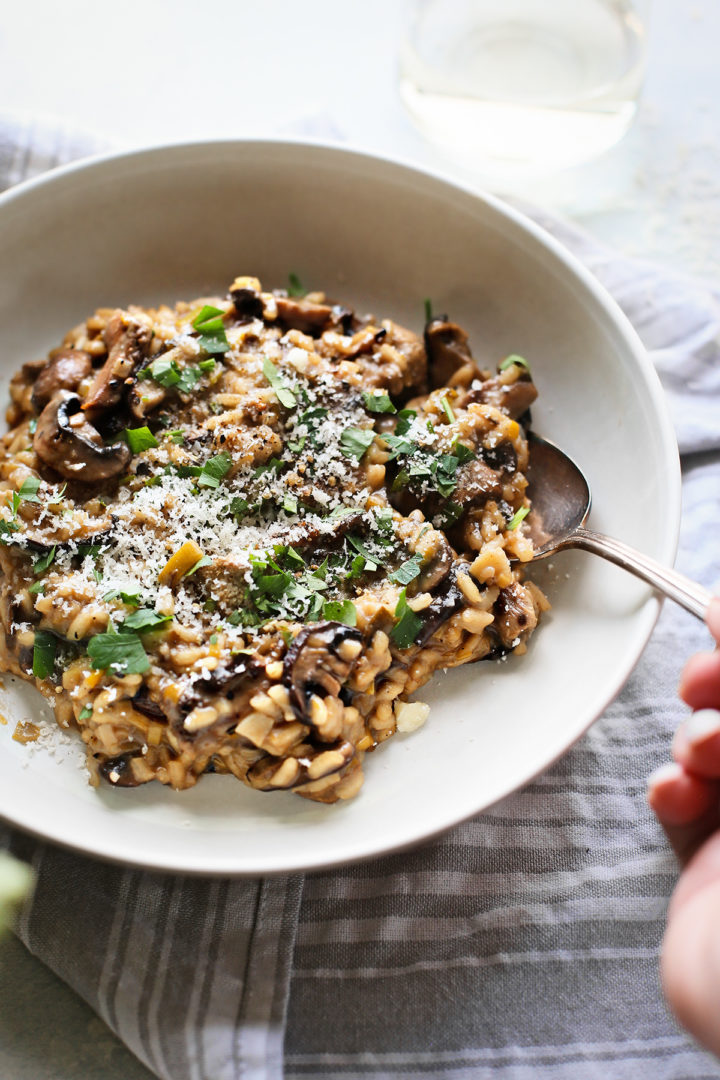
(561, 499)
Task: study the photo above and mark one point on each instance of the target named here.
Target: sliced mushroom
(248, 302)
(319, 662)
(65, 371)
(118, 771)
(437, 568)
(71, 446)
(447, 350)
(227, 680)
(515, 614)
(513, 398)
(127, 342)
(476, 483)
(445, 603)
(304, 315)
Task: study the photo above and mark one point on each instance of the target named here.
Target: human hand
(685, 796)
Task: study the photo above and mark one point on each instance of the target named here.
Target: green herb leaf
(41, 564)
(210, 326)
(177, 437)
(463, 453)
(204, 560)
(123, 652)
(282, 391)
(37, 588)
(407, 571)
(295, 286)
(450, 513)
(44, 651)
(139, 439)
(513, 359)
(405, 631)
(290, 504)
(343, 611)
(447, 409)
(131, 599)
(85, 713)
(163, 371)
(238, 506)
(517, 517)
(377, 401)
(404, 421)
(32, 426)
(372, 561)
(29, 490)
(357, 566)
(355, 441)
(214, 469)
(145, 619)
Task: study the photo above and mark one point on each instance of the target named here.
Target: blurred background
(142, 72)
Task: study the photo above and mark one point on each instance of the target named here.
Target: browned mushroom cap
(447, 350)
(447, 600)
(319, 661)
(514, 614)
(71, 446)
(304, 315)
(65, 371)
(229, 680)
(513, 398)
(248, 302)
(127, 341)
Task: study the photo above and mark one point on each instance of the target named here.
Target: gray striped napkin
(523, 944)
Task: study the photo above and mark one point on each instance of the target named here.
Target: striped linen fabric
(522, 945)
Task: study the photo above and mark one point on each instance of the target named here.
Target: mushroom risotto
(237, 534)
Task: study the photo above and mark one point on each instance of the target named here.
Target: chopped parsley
(44, 651)
(145, 619)
(378, 401)
(407, 571)
(214, 469)
(123, 652)
(447, 409)
(343, 611)
(29, 490)
(131, 599)
(355, 441)
(279, 384)
(168, 373)
(139, 439)
(517, 517)
(295, 286)
(211, 329)
(405, 631)
(41, 565)
(85, 713)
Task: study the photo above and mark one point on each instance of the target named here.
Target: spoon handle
(693, 597)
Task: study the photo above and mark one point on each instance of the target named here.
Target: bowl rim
(646, 617)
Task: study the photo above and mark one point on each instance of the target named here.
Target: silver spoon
(560, 497)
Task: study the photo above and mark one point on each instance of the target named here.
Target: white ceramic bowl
(176, 222)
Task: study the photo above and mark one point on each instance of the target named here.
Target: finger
(713, 618)
(687, 807)
(691, 963)
(700, 681)
(696, 745)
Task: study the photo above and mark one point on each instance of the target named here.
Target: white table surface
(145, 71)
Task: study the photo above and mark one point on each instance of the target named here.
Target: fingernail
(701, 725)
(664, 773)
